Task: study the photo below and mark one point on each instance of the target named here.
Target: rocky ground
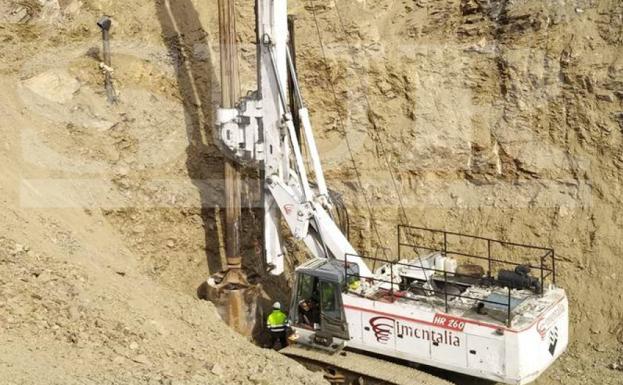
(494, 117)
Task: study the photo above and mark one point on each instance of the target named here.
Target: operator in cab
(277, 325)
(308, 314)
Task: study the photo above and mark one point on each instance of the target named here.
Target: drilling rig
(491, 309)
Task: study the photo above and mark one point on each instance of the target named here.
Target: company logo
(385, 328)
(382, 328)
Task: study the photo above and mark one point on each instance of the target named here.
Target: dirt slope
(76, 308)
(499, 118)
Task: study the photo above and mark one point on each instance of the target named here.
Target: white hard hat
(277, 305)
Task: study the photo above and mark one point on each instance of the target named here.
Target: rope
(378, 140)
(343, 128)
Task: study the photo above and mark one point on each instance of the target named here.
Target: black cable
(341, 211)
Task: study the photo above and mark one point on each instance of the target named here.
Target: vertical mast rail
(272, 20)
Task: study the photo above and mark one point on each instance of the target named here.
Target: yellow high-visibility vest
(277, 321)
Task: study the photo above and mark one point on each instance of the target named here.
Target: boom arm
(260, 132)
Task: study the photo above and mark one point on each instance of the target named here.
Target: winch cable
(341, 211)
(343, 129)
(378, 140)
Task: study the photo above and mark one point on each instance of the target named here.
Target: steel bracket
(240, 130)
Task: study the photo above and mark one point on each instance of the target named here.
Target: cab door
(332, 315)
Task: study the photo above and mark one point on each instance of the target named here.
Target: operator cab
(318, 311)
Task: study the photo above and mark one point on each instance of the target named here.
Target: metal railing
(545, 271)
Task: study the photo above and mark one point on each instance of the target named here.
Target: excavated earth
(499, 118)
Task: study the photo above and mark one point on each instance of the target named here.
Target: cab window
(306, 286)
(329, 300)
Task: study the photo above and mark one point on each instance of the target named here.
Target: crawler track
(347, 368)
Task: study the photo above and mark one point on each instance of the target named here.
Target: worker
(277, 325)
(308, 314)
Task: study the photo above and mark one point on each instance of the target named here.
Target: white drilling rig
(463, 309)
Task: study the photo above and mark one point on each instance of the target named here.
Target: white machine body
(515, 355)
(422, 328)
